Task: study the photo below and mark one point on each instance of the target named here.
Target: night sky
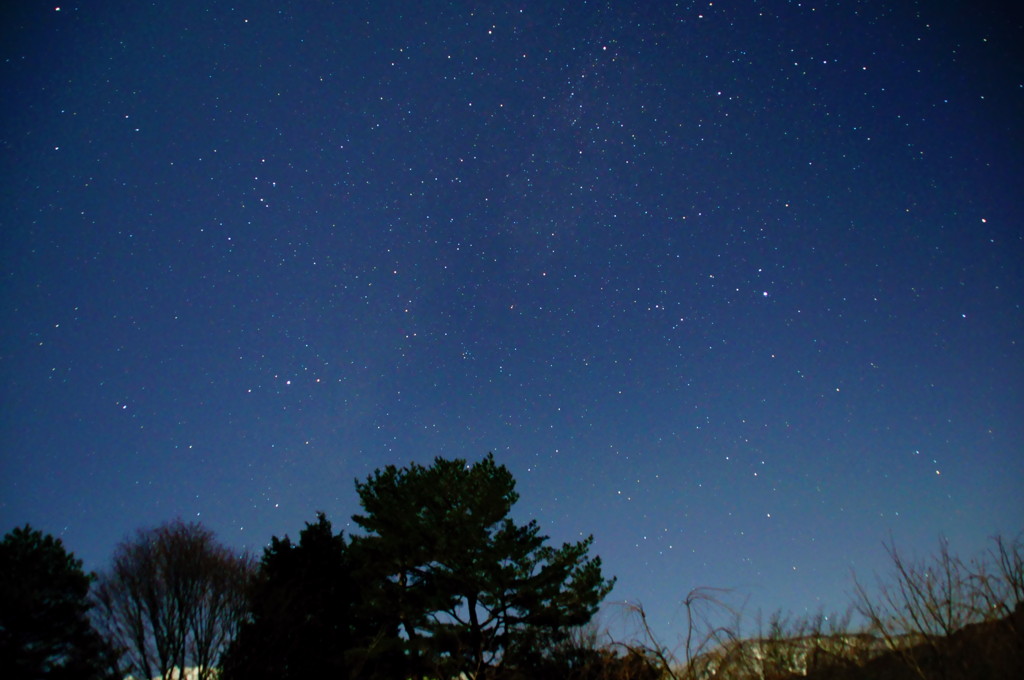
(734, 286)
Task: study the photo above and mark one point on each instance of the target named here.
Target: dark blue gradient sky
(735, 287)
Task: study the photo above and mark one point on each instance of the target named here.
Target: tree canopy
(173, 600)
(45, 631)
(441, 582)
(471, 590)
(306, 617)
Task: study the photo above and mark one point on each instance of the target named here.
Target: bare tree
(927, 602)
(941, 618)
(173, 599)
(998, 576)
(700, 652)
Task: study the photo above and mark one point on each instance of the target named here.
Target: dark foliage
(443, 583)
(581, 657)
(306, 618)
(45, 630)
(472, 591)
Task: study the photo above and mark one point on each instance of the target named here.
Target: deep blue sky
(735, 287)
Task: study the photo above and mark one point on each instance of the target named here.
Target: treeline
(442, 583)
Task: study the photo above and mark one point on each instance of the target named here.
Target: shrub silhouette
(939, 618)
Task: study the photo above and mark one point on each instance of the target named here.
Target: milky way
(734, 287)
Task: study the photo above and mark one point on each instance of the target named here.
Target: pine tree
(470, 588)
(45, 631)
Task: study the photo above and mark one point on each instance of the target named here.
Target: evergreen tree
(45, 631)
(305, 619)
(469, 587)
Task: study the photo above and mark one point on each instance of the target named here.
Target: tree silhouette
(173, 599)
(45, 630)
(469, 588)
(305, 618)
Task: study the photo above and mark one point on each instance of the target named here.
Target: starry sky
(734, 286)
